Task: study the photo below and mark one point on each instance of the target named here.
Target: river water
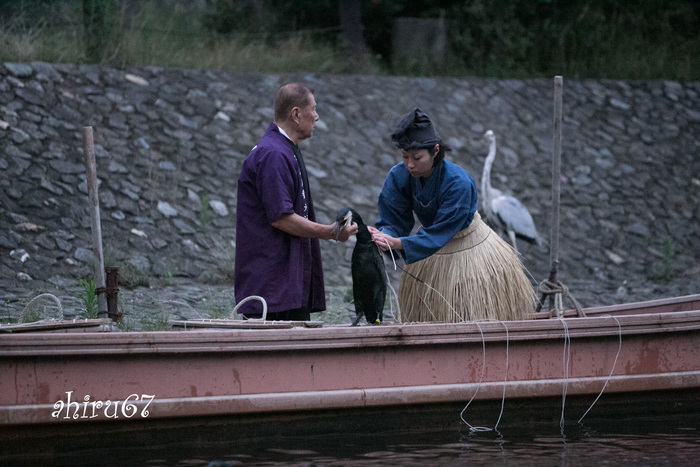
(660, 440)
(652, 442)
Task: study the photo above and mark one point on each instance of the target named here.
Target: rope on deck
(252, 297)
(23, 315)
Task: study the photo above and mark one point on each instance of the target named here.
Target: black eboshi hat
(415, 131)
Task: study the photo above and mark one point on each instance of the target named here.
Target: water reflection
(658, 441)
(653, 442)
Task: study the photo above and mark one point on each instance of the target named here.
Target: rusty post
(91, 173)
(112, 290)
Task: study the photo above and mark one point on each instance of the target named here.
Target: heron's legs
(511, 235)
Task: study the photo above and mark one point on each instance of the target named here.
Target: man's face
(307, 119)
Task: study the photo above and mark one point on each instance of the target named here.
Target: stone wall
(170, 143)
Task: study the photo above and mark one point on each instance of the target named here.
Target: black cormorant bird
(368, 276)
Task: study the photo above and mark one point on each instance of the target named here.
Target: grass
(490, 39)
(32, 314)
(337, 311)
(155, 319)
(130, 277)
(171, 38)
(225, 255)
(218, 310)
(204, 214)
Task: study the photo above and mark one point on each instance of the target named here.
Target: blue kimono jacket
(284, 269)
(444, 205)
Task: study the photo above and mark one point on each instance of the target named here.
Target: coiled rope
(252, 297)
(59, 316)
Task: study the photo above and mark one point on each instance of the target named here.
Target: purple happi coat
(284, 269)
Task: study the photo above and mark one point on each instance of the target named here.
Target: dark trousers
(298, 314)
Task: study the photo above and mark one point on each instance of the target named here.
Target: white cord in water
(619, 348)
(566, 359)
(481, 379)
(483, 368)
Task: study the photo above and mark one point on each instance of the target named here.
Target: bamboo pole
(91, 172)
(556, 179)
(556, 192)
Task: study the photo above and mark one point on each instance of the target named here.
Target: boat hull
(69, 379)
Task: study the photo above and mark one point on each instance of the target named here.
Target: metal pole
(112, 290)
(91, 172)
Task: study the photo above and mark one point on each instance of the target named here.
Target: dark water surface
(665, 440)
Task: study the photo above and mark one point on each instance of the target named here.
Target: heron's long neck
(486, 175)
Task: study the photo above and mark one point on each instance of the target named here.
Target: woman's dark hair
(440, 155)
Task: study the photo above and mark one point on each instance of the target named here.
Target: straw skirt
(476, 276)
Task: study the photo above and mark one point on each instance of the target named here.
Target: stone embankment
(170, 143)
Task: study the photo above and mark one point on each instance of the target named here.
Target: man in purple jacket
(278, 255)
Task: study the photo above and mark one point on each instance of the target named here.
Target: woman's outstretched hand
(383, 241)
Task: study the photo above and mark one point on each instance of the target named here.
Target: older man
(278, 255)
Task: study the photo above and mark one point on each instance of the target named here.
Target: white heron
(505, 211)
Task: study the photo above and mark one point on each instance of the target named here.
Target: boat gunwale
(207, 341)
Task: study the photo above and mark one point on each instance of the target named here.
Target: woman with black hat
(457, 268)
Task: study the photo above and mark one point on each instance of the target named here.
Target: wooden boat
(632, 353)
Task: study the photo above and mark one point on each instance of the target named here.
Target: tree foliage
(515, 37)
(641, 39)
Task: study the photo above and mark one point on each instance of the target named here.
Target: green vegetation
(130, 277)
(88, 299)
(32, 314)
(42, 307)
(626, 39)
(126, 324)
(218, 311)
(226, 260)
(204, 214)
(155, 319)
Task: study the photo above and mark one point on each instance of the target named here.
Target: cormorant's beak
(340, 224)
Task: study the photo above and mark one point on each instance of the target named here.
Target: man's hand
(345, 233)
(294, 224)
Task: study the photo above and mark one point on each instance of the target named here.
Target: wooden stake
(91, 172)
(556, 179)
(556, 192)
